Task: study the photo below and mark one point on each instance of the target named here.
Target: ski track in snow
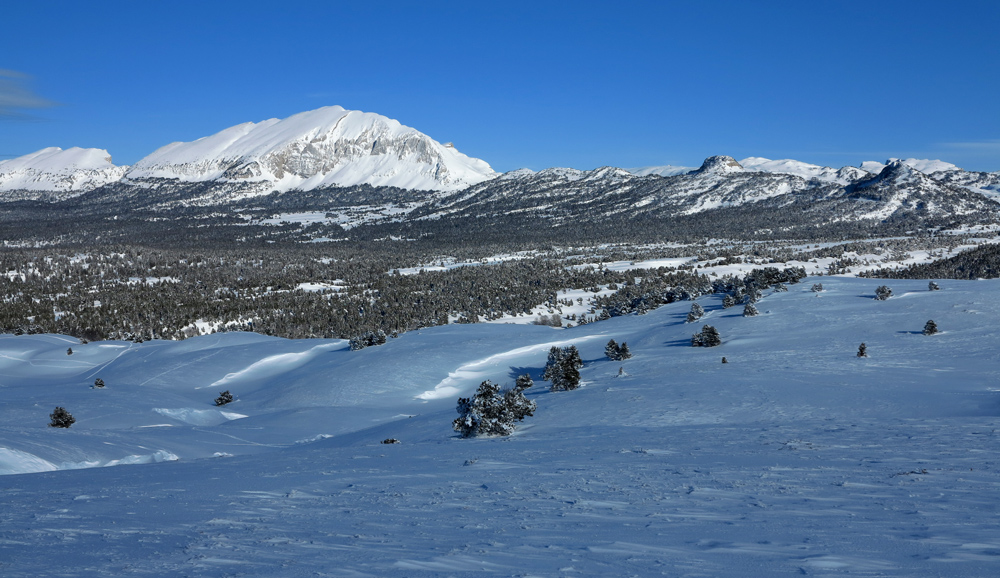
(795, 458)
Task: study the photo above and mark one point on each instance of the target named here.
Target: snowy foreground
(796, 457)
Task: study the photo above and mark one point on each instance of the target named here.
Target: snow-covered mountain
(662, 171)
(326, 147)
(794, 458)
(55, 174)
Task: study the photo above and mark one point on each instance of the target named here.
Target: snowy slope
(795, 458)
(329, 146)
(663, 171)
(842, 176)
(55, 174)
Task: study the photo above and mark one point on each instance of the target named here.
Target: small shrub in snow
(696, 313)
(69, 351)
(882, 293)
(224, 398)
(862, 350)
(708, 337)
(61, 418)
(390, 441)
(750, 310)
(932, 286)
(817, 288)
(930, 328)
(492, 411)
(724, 360)
(99, 383)
(563, 368)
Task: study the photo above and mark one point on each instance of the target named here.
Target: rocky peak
(719, 165)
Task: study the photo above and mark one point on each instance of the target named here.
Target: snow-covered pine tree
(492, 411)
(750, 310)
(563, 368)
(612, 351)
(696, 313)
(930, 328)
(623, 352)
(882, 293)
(817, 288)
(728, 301)
(932, 286)
(61, 418)
(516, 406)
(862, 350)
(99, 383)
(708, 337)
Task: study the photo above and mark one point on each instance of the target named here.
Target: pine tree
(563, 368)
(932, 286)
(696, 313)
(623, 352)
(69, 351)
(99, 383)
(930, 328)
(724, 360)
(492, 411)
(817, 288)
(882, 293)
(862, 350)
(749, 310)
(224, 398)
(61, 418)
(612, 351)
(729, 301)
(708, 337)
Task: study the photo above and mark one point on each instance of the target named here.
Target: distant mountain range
(327, 150)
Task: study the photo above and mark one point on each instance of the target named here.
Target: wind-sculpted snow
(794, 458)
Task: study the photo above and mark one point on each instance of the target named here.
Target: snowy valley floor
(795, 458)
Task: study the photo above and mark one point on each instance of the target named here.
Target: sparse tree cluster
(617, 352)
(493, 411)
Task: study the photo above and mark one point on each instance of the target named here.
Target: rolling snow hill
(795, 457)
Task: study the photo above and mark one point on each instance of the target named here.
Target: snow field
(796, 457)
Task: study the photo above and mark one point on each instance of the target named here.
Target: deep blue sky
(519, 84)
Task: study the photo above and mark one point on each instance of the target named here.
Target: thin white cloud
(16, 96)
(979, 146)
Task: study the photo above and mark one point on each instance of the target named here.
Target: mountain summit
(53, 173)
(326, 147)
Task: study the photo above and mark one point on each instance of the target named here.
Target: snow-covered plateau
(794, 458)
